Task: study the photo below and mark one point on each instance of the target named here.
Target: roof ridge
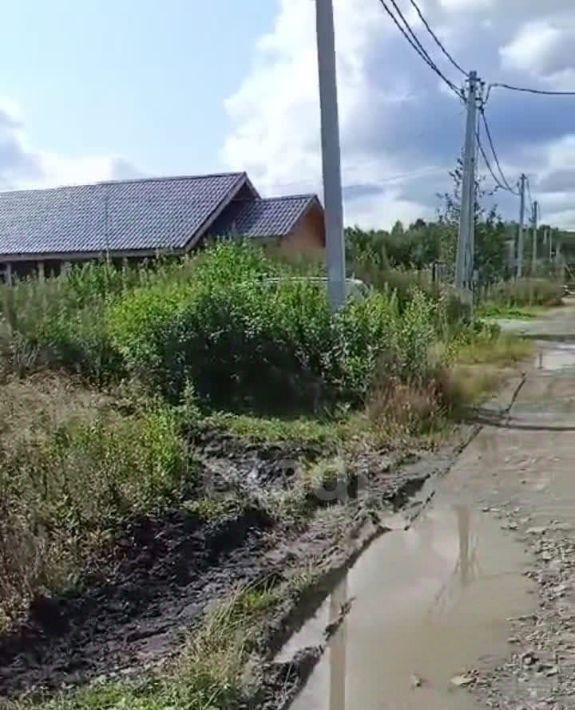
(299, 196)
(168, 178)
(307, 196)
(128, 181)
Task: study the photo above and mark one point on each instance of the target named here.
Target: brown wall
(309, 233)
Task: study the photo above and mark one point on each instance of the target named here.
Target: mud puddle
(427, 604)
(559, 357)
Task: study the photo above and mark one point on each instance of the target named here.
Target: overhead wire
(498, 184)
(529, 195)
(413, 40)
(505, 183)
(398, 18)
(436, 38)
(527, 90)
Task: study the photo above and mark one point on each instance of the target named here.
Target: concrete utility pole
(521, 235)
(465, 241)
(534, 242)
(550, 243)
(331, 159)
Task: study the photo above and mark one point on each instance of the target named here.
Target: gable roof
(264, 217)
(124, 216)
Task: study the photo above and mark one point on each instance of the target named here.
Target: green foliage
(491, 251)
(416, 338)
(62, 320)
(248, 341)
(325, 431)
(500, 310)
(71, 475)
(231, 323)
(526, 292)
(378, 251)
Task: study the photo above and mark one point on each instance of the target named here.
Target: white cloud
(464, 5)
(396, 117)
(543, 48)
(24, 166)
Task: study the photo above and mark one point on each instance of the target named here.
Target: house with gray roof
(40, 230)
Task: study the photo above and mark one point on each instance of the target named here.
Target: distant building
(40, 230)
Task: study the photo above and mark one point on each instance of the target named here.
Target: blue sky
(146, 80)
(99, 89)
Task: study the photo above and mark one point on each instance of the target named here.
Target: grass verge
(503, 349)
(501, 311)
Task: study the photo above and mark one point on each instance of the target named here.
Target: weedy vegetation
(108, 373)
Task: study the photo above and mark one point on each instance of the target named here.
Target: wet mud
(132, 608)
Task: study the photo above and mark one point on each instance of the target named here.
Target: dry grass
(526, 292)
(73, 471)
(472, 369)
(480, 366)
(470, 384)
(399, 411)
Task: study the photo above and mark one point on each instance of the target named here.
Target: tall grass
(73, 470)
(61, 322)
(526, 292)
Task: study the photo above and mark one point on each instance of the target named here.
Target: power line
(411, 37)
(505, 182)
(529, 193)
(423, 52)
(525, 90)
(498, 184)
(436, 38)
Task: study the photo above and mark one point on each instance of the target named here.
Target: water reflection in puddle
(559, 357)
(427, 604)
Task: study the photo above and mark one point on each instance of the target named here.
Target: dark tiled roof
(149, 214)
(263, 218)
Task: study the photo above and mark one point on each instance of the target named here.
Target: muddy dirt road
(474, 605)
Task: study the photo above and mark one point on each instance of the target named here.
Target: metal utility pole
(521, 235)
(465, 241)
(331, 159)
(534, 242)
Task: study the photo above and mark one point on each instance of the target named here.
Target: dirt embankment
(132, 607)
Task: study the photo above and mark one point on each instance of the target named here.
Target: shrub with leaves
(248, 339)
(231, 321)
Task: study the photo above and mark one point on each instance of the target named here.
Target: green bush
(246, 341)
(62, 320)
(231, 321)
